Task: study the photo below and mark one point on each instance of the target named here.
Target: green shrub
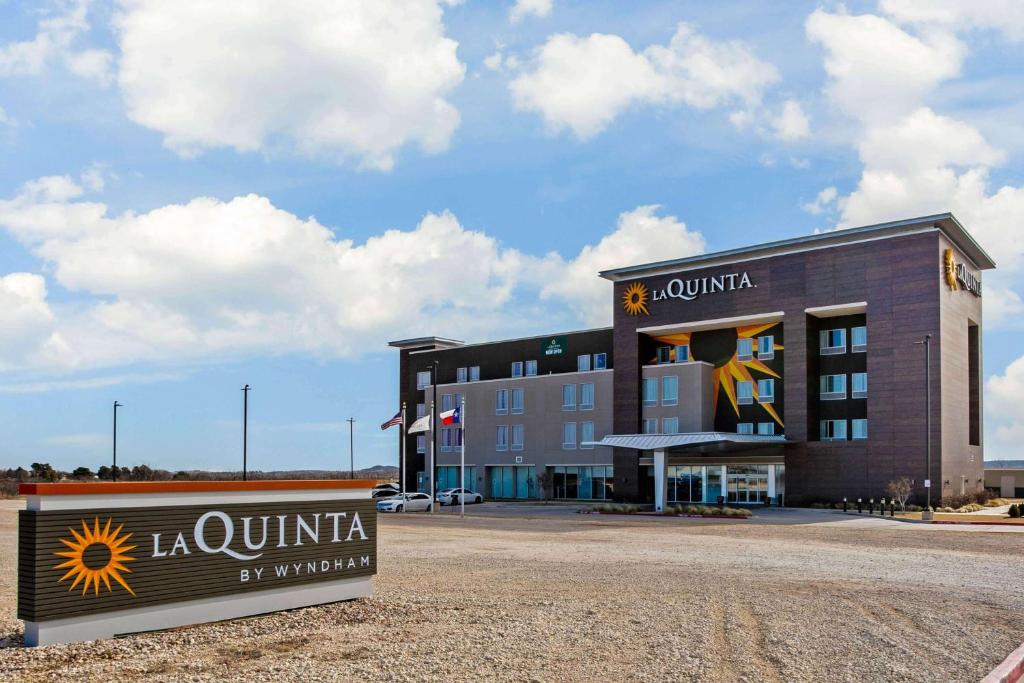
(1015, 511)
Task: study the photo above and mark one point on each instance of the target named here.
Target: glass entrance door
(747, 483)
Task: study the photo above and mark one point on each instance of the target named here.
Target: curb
(1010, 670)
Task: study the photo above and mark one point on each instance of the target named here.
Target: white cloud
(6, 120)
(25, 317)
(209, 277)
(641, 236)
(876, 69)
(792, 122)
(327, 78)
(55, 40)
(583, 83)
(1006, 16)
(822, 203)
(87, 383)
(501, 62)
(525, 8)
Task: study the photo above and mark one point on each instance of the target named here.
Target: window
(421, 444)
(531, 368)
(859, 339)
(568, 397)
(462, 375)
(446, 402)
(766, 347)
(517, 401)
(583, 363)
(501, 438)
(518, 434)
(474, 373)
(744, 349)
(447, 439)
(766, 391)
(682, 353)
(423, 379)
(669, 390)
(744, 392)
(458, 400)
(745, 428)
(501, 402)
(859, 388)
(766, 429)
(833, 430)
(587, 396)
(600, 361)
(650, 425)
(568, 436)
(670, 425)
(650, 391)
(832, 342)
(517, 369)
(421, 410)
(833, 387)
(586, 434)
(860, 429)
(581, 482)
(664, 354)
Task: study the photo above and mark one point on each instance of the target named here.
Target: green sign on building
(554, 346)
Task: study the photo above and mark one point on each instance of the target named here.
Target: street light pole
(351, 456)
(113, 472)
(927, 342)
(245, 432)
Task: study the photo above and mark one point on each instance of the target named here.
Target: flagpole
(462, 457)
(432, 426)
(405, 437)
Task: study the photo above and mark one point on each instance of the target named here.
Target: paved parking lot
(522, 592)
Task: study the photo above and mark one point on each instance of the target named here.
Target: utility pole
(113, 472)
(245, 432)
(436, 366)
(351, 454)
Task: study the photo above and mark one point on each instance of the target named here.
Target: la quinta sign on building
(635, 299)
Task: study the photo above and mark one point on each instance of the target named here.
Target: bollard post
(844, 504)
(871, 506)
(892, 508)
(859, 508)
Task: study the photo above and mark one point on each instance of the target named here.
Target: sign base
(220, 608)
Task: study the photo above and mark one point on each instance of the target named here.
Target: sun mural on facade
(96, 555)
(719, 348)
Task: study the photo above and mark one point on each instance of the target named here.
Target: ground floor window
(685, 484)
(448, 477)
(511, 481)
(582, 482)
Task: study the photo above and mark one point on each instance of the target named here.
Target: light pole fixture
(926, 515)
(351, 450)
(113, 472)
(245, 432)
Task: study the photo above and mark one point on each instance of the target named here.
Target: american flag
(396, 420)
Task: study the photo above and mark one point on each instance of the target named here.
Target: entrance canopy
(694, 441)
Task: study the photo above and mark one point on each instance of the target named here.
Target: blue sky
(273, 203)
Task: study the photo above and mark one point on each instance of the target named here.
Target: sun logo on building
(96, 556)
(949, 268)
(635, 299)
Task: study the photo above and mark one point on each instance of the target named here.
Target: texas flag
(452, 417)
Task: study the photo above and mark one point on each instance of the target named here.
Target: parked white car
(452, 496)
(385, 490)
(405, 502)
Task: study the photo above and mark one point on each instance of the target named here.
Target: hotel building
(787, 373)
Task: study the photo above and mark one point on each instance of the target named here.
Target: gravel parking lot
(521, 596)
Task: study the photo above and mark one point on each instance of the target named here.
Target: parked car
(404, 502)
(388, 492)
(452, 496)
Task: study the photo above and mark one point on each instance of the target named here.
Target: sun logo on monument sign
(96, 556)
(635, 299)
(949, 268)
